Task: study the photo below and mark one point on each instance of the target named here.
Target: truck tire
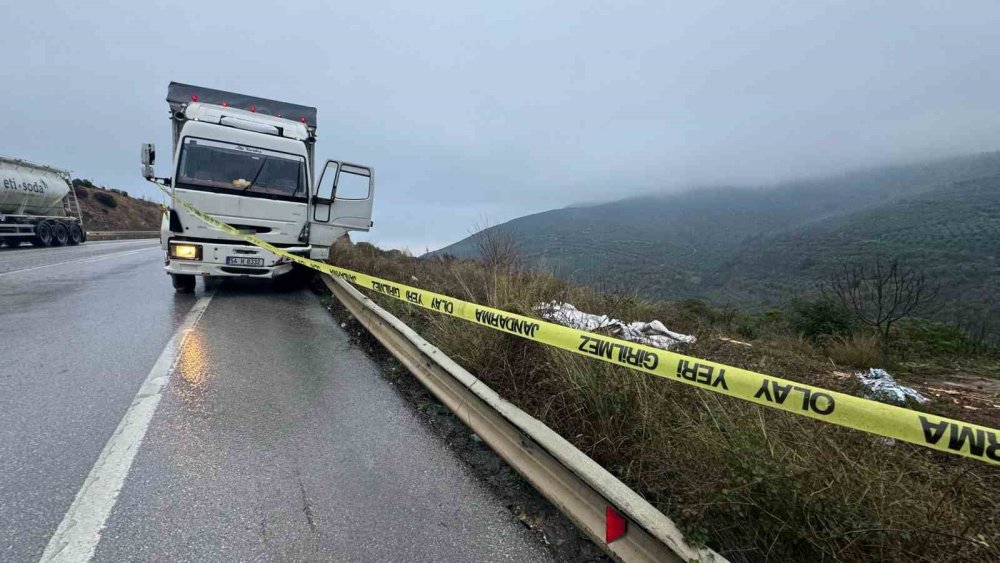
(43, 234)
(183, 283)
(60, 234)
(75, 234)
(296, 279)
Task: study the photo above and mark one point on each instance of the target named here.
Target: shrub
(497, 246)
(919, 338)
(696, 308)
(748, 326)
(696, 311)
(858, 350)
(81, 193)
(106, 199)
(881, 293)
(820, 318)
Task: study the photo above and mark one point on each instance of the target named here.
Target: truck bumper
(230, 260)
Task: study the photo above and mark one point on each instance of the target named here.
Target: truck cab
(249, 162)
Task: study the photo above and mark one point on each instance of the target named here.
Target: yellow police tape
(939, 433)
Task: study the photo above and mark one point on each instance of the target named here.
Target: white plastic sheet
(652, 333)
(883, 386)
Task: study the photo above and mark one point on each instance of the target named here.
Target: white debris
(883, 387)
(651, 333)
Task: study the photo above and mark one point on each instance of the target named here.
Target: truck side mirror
(148, 154)
(148, 159)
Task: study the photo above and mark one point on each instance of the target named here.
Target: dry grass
(753, 483)
(857, 350)
(129, 214)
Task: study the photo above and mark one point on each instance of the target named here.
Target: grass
(753, 483)
(856, 350)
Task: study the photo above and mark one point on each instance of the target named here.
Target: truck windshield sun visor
(222, 166)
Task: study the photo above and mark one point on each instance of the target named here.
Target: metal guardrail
(577, 485)
(121, 235)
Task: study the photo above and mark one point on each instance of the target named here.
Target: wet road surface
(271, 438)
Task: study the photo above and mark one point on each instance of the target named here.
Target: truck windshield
(221, 166)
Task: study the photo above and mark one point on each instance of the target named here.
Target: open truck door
(341, 202)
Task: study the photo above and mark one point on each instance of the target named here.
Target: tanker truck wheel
(43, 234)
(183, 283)
(75, 234)
(60, 234)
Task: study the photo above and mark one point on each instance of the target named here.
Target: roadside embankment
(752, 483)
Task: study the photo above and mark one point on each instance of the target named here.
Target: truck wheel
(75, 234)
(183, 283)
(295, 279)
(60, 234)
(43, 234)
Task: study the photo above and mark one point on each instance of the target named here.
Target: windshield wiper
(257, 175)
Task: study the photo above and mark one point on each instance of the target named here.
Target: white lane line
(78, 534)
(80, 261)
(32, 251)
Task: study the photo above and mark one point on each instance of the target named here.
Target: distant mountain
(952, 233)
(758, 247)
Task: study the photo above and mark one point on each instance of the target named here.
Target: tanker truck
(37, 205)
(250, 162)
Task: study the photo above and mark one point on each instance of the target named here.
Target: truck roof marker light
(253, 107)
(194, 97)
(614, 525)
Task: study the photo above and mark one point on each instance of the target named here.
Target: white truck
(38, 205)
(249, 162)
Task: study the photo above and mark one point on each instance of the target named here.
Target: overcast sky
(500, 109)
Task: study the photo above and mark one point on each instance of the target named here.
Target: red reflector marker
(615, 524)
(194, 97)
(225, 104)
(253, 108)
(302, 119)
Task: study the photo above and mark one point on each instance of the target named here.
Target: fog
(505, 108)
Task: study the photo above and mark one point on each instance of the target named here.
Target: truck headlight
(185, 251)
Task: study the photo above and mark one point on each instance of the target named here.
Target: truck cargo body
(37, 205)
(249, 162)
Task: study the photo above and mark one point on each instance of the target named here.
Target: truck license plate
(243, 261)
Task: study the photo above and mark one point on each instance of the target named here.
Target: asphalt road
(239, 424)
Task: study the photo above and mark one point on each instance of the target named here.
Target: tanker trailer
(37, 205)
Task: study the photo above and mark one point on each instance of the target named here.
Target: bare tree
(497, 246)
(881, 293)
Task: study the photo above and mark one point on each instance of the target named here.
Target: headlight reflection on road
(192, 369)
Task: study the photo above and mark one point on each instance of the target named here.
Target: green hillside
(952, 233)
(758, 247)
